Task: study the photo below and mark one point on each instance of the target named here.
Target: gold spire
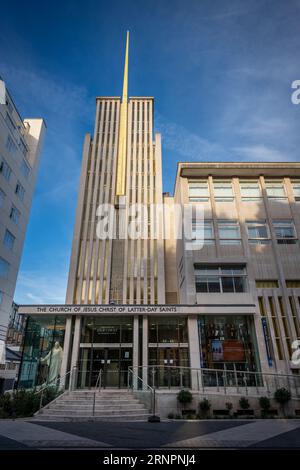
(122, 143)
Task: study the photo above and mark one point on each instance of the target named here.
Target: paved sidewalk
(246, 435)
(33, 435)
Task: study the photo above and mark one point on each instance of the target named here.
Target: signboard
(233, 351)
(267, 340)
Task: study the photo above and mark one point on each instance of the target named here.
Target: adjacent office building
(20, 148)
(174, 315)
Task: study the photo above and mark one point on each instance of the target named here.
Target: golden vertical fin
(122, 143)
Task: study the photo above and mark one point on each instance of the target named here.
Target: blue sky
(220, 72)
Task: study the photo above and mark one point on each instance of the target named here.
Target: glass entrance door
(168, 367)
(108, 366)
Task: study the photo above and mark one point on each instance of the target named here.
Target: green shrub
(171, 416)
(244, 403)
(229, 406)
(24, 403)
(184, 396)
(204, 407)
(265, 403)
(282, 396)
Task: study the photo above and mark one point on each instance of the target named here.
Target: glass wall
(42, 351)
(168, 330)
(228, 342)
(107, 330)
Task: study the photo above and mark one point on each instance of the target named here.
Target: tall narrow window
(9, 240)
(20, 191)
(296, 189)
(2, 197)
(5, 170)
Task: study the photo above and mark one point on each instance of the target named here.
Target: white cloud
(41, 286)
(260, 153)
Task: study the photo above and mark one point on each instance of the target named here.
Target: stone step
(97, 406)
(70, 418)
(97, 412)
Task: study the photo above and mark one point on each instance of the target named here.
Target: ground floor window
(169, 367)
(228, 342)
(42, 351)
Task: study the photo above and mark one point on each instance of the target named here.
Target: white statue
(53, 360)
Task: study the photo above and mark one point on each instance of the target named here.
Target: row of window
(250, 190)
(258, 231)
(212, 279)
(6, 171)
(10, 144)
(14, 214)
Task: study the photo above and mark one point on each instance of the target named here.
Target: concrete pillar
(66, 348)
(194, 352)
(75, 348)
(135, 351)
(145, 349)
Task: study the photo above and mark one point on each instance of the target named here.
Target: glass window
(14, 215)
(229, 342)
(43, 351)
(198, 231)
(11, 146)
(198, 191)
(223, 191)
(258, 231)
(107, 330)
(229, 232)
(285, 231)
(2, 197)
(10, 123)
(23, 147)
(296, 189)
(250, 190)
(25, 169)
(9, 240)
(220, 279)
(4, 268)
(167, 330)
(20, 191)
(5, 170)
(1, 297)
(275, 190)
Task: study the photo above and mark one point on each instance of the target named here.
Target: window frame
(258, 240)
(250, 198)
(200, 198)
(218, 274)
(217, 185)
(229, 240)
(285, 240)
(268, 185)
(9, 240)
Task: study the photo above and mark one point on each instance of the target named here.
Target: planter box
(221, 412)
(244, 413)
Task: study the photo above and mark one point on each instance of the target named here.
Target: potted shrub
(245, 407)
(265, 404)
(204, 407)
(229, 407)
(184, 397)
(282, 396)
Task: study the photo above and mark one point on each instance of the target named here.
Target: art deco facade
(222, 314)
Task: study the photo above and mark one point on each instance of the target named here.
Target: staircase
(78, 405)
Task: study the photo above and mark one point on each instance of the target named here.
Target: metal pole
(94, 402)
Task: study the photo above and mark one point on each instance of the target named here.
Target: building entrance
(104, 367)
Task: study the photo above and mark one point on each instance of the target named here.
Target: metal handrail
(152, 390)
(49, 384)
(243, 381)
